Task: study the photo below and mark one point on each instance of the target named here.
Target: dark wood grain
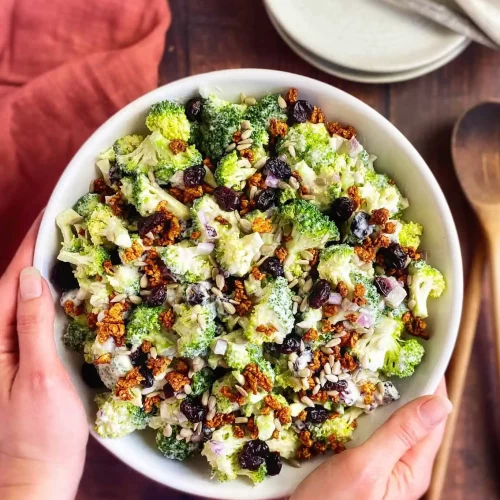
(208, 35)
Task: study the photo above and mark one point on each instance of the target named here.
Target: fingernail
(435, 410)
(30, 283)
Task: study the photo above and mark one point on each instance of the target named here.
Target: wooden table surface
(208, 35)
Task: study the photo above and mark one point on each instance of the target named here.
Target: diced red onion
(346, 303)
(220, 347)
(396, 296)
(202, 217)
(354, 147)
(217, 447)
(177, 180)
(205, 248)
(354, 307)
(335, 178)
(365, 320)
(272, 181)
(335, 298)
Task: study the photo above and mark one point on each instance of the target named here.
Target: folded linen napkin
(486, 14)
(65, 67)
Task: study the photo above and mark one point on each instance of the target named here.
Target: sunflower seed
(139, 263)
(305, 383)
(241, 390)
(332, 378)
(320, 181)
(145, 293)
(293, 357)
(246, 134)
(167, 431)
(322, 379)
(381, 387)
(196, 425)
(331, 360)
(144, 281)
(336, 368)
(246, 225)
(246, 142)
(307, 286)
(256, 257)
(411, 303)
(211, 414)
(239, 378)
(151, 176)
(277, 236)
(219, 281)
(180, 396)
(212, 401)
(135, 299)
(316, 389)
(204, 398)
(294, 183)
(295, 308)
(153, 353)
(281, 102)
(291, 366)
(327, 368)
(242, 97)
(259, 164)
(202, 321)
(302, 262)
(408, 280)
(229, 308)
(308, 197)
(253, 191)
(326, 350)
(187, 389)
(305, 372)
(302, 347)
(333, 343)
(267, 250)
(333, 393)
(240, 420)
(277, 424)
(230, 147)
(245, 125)
(91, 186)
(216, 291)
(250, 101)
(294, 463)
(119, 297)
(150, 236)
(186, 433)
(339, 335)
(293, 283)
(303, 305)
(306, 269)
(307, 401)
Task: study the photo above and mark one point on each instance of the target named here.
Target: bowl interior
(396, 157)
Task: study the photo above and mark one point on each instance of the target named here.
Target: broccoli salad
(242, 281)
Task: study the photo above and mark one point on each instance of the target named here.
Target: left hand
(43, 427)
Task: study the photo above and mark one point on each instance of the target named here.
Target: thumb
(409, 425)
(35, 321)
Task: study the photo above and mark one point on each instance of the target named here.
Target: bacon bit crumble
(108, 267)
(310, 335)
(342, 289)
(207, 162)
(104, 359)
(248, 154)
(195, 235)
(132, 379)
(389, 228)
(266, 330)
(330, 310)
(112, 325)
(221, 220)
(240, 295)
(303, 190)
(379, 216)
(71, 310)
(277, 128)
(254, 379)
(178, 146)
(237, 136)
(167, 318)
(415, 326)
(221, 419)
(353, 193)
(146, 346)
(359, 295)
(92, 321)
(150, 402)
(158, 365)
(234, 397)
(305, 438)
(238, 432)
(252, 428)
(255, 179)
(177, 380)
(317, 116)
(257, 274)
(281, 253)
(261, 225)
(291, 96)
(334, 128)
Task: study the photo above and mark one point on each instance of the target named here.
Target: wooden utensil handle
(457, 371)
(494, 256)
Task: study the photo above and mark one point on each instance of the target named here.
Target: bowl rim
(314, 86)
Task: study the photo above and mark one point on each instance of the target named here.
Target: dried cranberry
(278, 168)
(383, 285)
(196, 294)
(138, 357)
(193, 176)
(206, 432)
(360, 226)
(194, 109)
(62, 277)
(149, 378)
(149, 223)
(272, 349)
(394, 257)
(339, 386)
(165, 272)
(273, 464)
(272, 266)
(157, 297)
(265, 199)
(226, 198)
(114, 257)
(211, 232)
(319, 294)
(168, 391)
(90, 376)
(253, 454)
(300, 111)
(316, 415)
(114, 173)
(291, 343)
(342, 209)
(192, 410)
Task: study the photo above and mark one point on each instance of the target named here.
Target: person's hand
(394, 464)
(43, 428)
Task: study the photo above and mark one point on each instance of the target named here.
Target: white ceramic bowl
(397, 157)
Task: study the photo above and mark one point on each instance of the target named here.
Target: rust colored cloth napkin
(65, 67)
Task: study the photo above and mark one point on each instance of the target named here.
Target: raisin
(300, 111)
(193, 176)
(138, 357)
(278, 168)
(394, 257)
(226, 198)
(62, 277)
(360, 226)
(114, 257)
(206, 432)
(114, 173)
(342, 209)
(196, 294)
(272, 266)
(90, 376)
(383, 285)
(194, 109)
(192, 410)
(273, 464)
(272, 349)
(319, 294)
(253, 454)
(168, 391)
(147, 224)
(339, 386)
(291, 343)
(316, 415)
(157, 297)
(165, 272)
(149, 378)
(265, 199)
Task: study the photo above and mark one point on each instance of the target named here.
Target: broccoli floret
(87, 204)
(173, 163)
(76, 335)
(65, 221)
(230, 173)
(402, 358)
(397, 312)
(220, 121)
(224, 404)
(173, 448)
(286, 195)
(127, 144)
(379, 192)
(310, 228)
(186, 262)
(234, 254)
(341, 427)
(373, 305)
(125, 279)
(371, 350)
(195, 327)
(266, 108)
(147, 196)
(170, 119)
(265, 425)
(87, 258)
(286, 444)
(425, 282)
(257, 476)
(335, 265)
(117, 418)
(98, 292)
(240, 352)
(273, 311)
(202, 381)
(104, 226)
(409, 235)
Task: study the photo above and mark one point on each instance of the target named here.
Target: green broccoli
(170, 119)
(257, 476)
(266, 109)
(240, 352)
(98, 291)
(335, 265)
(147, 196)
(231, 173)
(286, 195)
(177, 162)
(341, 427)
(125, 279)
(236, 255)
(186, 263)
(402, 358)
(117, 418)
(65, 221)
(173, 448)
(104, 226)
(87, 204)
(224, 404)
(409, 234)
(127, 144)
(87, 258)
(76, 335)
(396, 313)
(286, 444)
(425, 282)
(202, 381)
(195, 327)
(274, 311)
(378, 191)
(374, 303)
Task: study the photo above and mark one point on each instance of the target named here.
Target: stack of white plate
(364, 40)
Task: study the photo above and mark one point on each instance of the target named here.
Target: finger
(407, 427)
(35, 321)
